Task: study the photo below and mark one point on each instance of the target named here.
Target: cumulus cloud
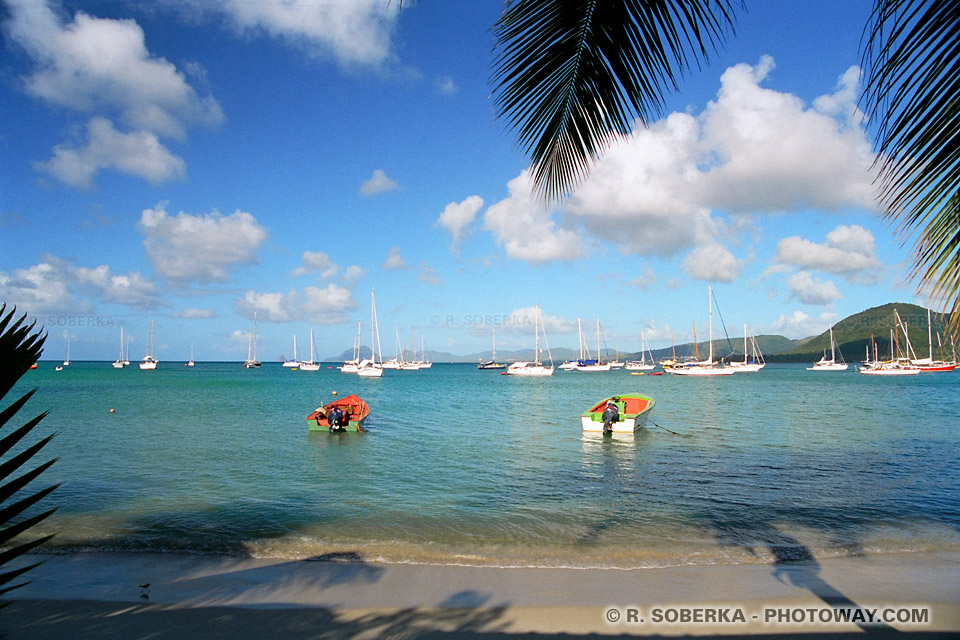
(664, 189)
(192, 313)
(525, 227)
(353, 273)
(377, 183)
(446, 85)
(56, 285)
(316, 261)
(798, 325)
(352, 32)
(102, 67)
(394, 260)
(849, 251)
(203, 248)
(428, 274)
(713, 262)
(319, 305)
(139, 153)
(520, 322)
(457, 216)
(808, 290)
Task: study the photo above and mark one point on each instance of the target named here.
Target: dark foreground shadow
(43, 620)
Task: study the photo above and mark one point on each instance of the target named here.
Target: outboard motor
(335, 419)
(610, 415)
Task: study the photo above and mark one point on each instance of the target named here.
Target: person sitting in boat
(610, 415)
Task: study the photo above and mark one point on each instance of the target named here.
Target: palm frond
(572, 75)
(911, 54)
(20, 347)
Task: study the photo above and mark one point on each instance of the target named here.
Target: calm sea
(461, 466)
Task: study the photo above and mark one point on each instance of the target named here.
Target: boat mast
(536, 339)
(710, 305)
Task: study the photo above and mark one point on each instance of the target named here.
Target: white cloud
(849, 251)
(446, 85)
(394, 260)
(520, 322)
(377, 183)
(457, 216)
(752, 150)
(799, 325)
(314, 261)
(192, 313)
(352, 32)
(806, 289)
(55, 285)
(203, 248)
(319, 305)
(713, 262)
(139, 153)
(98, 64)
(428, 274)
(353, 273)
(102, 67)
(524, 226)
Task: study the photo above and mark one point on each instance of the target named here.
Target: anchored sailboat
(149, 363)
(823, 364)
(251, 362)
(372, 368)
(492, 362)
(708, 367)
(536, 368)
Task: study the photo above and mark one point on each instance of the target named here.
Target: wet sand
(161, 596)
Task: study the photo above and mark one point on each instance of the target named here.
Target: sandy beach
(161, 596)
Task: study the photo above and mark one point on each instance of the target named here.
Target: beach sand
(184, 597)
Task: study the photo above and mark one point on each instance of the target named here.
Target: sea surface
(468, 467)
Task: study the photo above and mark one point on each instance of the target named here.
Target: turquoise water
(461, 466)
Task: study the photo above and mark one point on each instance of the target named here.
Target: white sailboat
(535, 368)
(584, 354)
(642, 364)
(251, 362)
(371, 368)
(66, 362)
(190, 362)
(708, 367)
(423, 363)
(823, 364)
(492, 362)
(149, 363)
(293, 364)
(310, 365)
(748, 365)
(397, 360)
(595, 365)
(351, 366)
(928, 363)
(118, 363)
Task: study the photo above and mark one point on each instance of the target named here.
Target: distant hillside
(854, 333)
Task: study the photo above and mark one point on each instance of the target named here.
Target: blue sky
(191, 162)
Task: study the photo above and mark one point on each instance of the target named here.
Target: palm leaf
(572, 75)
(912, 57)
(20, 347)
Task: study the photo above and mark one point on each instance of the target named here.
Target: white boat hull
(701, 371)
(593, 367)
(828, 366)
(309, 366)
(529, 370)
(627, 425)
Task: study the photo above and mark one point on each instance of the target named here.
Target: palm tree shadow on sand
(793, 562)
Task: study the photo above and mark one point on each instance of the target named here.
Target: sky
(194, 162)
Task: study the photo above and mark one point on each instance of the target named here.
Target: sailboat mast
(710, 307)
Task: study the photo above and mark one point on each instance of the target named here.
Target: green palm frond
(912, 57)
(20, 347)
(572, 75)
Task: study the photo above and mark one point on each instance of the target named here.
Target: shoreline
(104, 595)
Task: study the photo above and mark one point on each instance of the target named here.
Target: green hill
(854, 334)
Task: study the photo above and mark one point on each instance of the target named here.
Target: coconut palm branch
(570, 76)
(912, 57)
(20, 347)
